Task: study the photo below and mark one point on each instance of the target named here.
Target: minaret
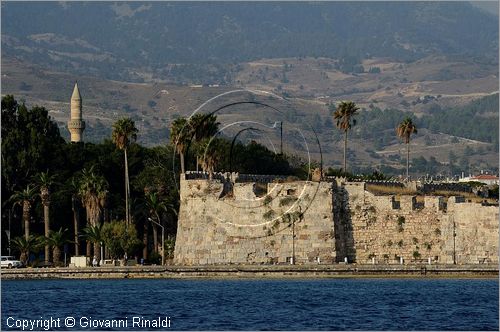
(76, 125)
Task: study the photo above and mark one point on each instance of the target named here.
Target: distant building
(483, 178)
(76, 125)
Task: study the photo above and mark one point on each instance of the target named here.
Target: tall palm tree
(44, 182)
(93, 234)
(25, 198)
(202, 126)
(93, 190)
(27, 245)
(56, 240)
(180, 135)
(344, 115)
(73, 189)
(211, 151)
(124, 131)
(404, 131)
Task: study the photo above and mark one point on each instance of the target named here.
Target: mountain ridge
(115, 40)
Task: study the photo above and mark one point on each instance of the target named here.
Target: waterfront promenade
(257, 271)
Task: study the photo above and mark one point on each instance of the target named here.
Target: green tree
(31, 142)
(93, 190)
(26, 245)
(25, 198)
(124, 131)
(93, 234)
(211, 152)
(120, 238)
(202, 126)
(404, 131)
(56, 240)
(45, 181)
(180, 135)
(153, 207)
(344, 116)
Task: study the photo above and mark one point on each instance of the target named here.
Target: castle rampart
(229, 220)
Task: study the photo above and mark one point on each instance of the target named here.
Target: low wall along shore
(227, 221)
(257, 271)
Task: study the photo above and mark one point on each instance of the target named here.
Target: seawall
(257, 271)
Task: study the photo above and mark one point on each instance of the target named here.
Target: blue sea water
(313, 304)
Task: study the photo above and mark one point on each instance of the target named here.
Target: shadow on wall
(342, 223)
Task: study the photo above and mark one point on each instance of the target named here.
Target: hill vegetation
(186, 41)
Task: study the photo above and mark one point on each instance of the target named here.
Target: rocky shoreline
(257, 271)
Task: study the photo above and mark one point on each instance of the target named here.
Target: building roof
(76, 92)
(484, 177)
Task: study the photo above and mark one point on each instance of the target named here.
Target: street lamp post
(162, 240)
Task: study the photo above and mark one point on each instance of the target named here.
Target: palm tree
(56, 240)
(45, 181)
(124, 131)
(180, 135)
(25, 198)
(202, 126)
(211, 149)
(26, 245)
(93, 190)
(73, 188)
(404, 131)
(93, 235)
(344, 114)
(153, 206)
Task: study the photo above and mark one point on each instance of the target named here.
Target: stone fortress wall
(249, 219)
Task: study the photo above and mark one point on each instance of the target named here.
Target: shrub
(416, 255)
(268, 215)
(287, 200)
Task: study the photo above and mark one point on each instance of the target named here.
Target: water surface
(319, 304)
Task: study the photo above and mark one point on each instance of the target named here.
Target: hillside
(435, 61)
(203, 42)
(372, 141)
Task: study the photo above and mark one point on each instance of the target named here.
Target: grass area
(388, 190)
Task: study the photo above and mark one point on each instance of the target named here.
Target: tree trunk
(408, 161)
(46, 208)
(57, 255)
(345, 152)
(145, 240)
(127, 216)
(155, 238)
(182, 163)
(76, 221)
(24, 257)
(97, 251)
(26, 219)
(89, 249)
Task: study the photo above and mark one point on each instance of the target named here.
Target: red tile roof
(485, 177)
